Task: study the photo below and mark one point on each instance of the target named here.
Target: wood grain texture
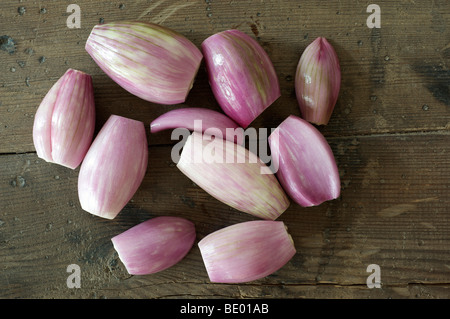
(389, 133)
(393, 79)
(402, 228)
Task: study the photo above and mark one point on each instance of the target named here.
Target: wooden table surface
(389, 133)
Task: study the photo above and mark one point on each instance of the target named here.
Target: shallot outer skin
(65, 120)
(246, 251)
(114, 167)
(307, 168)
(318, 81)
(241, 75)
(155, 244)
(200, 120)
(148, 60)
(233, 175)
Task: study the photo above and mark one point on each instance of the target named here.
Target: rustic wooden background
(389, 133)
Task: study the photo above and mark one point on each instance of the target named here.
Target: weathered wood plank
(392, 212)
(395, 79)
